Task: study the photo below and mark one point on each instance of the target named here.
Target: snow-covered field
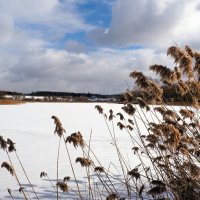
(30, 126)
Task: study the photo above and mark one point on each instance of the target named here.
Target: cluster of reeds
(171, 141)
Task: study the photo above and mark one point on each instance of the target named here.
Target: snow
(30, 126)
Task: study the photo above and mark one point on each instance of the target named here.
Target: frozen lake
(30, 126)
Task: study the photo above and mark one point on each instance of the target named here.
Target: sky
(90, 45)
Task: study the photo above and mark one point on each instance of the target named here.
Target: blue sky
(89, 45)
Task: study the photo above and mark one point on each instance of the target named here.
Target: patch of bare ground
(10, 102)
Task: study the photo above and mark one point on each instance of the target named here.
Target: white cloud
(155, 23)
(104, 71)
(29, 24)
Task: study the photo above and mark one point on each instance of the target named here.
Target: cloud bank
(50, 44)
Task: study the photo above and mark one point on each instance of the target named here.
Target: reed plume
(3, 143)
(129, 109)
(8, 167)
(121, 126)
(76, 139)
(66, 178)
(129, 97)
(121, 116)
(187, 113)
(112, 196)
(134, 173)
(58, 129)
(63, 186)
(99, 169)
(85, 162)
(99, 108)
(43, 174)
(166, 74)
(142, 103)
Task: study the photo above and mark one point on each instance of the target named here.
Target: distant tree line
(170, 95)
(72, 94)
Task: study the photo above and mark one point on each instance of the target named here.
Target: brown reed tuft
(171, 113)
(171, 134)
(186, 113)
(142, 103)
(129, 109)
(11, 146)
(76, 139)
(58, 129)
(182, 88)
(194, 171)
(111, 115)
(134, 173)
(3, 143)
(131, 121)
(121, 126)
(166, 74)
(8, 167)
(161, 147)
(66, 178)
(189, 51)
(175, 52)
(85, 162)
(197, 64)
(43, 174)
(160, 109)
(99, 169)
(178, 73)
(129, 127)
(150, 90)
(63, 186)
(158, 182)
(156, 190)
(99, 108)
(21, 189)
(152, 138)
(121, 116)
(129, 98)
(135, 149)
(112, 196)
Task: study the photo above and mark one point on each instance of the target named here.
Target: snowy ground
(30, 126)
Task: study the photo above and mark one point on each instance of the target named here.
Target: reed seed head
(66, 178)
(3, 143)
(8, 167)
(21, 189)
(112, 196)
(76, 139)
(85, 162)
(58, 129)
(134, 173)
(43, 174)
(63, 186)
(99, 169)
(121, 116)
(121, 126)
(99, 108)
